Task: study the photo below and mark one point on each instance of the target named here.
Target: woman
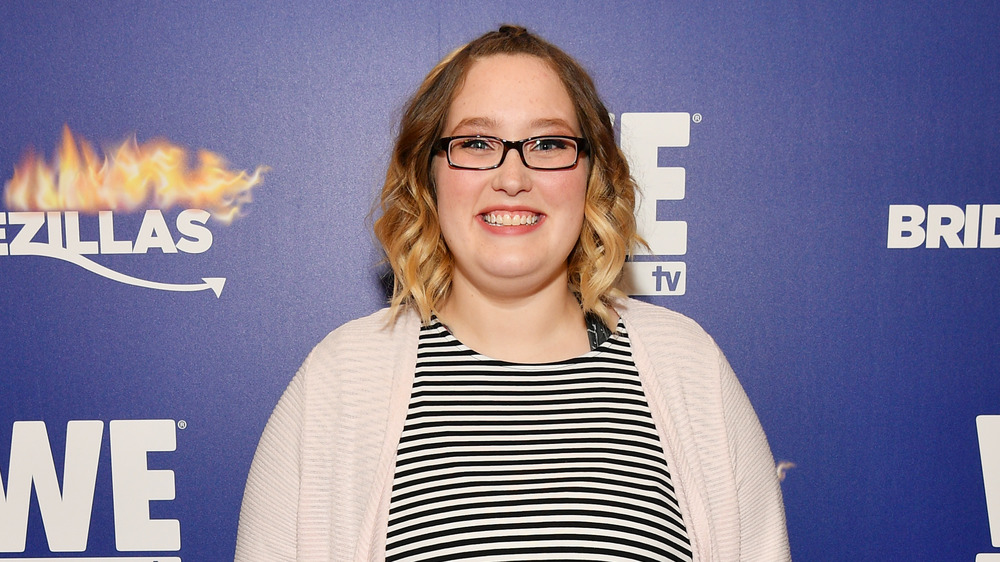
(511, 403)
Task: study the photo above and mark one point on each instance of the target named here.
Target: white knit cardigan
(321, 479)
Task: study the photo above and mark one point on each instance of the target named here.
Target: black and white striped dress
(554, 461)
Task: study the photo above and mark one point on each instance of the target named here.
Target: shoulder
(377, 327)
(674, 351)
(367, 338)
(659, 326)
(361, 357)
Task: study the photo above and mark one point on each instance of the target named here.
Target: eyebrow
(540, 123)
(490, 123)
(477, 123)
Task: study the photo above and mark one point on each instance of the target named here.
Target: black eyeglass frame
(444, 143)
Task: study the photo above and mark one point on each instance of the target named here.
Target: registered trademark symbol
(696, 118)
(182, 424)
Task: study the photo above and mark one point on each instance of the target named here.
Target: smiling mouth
(517, 218)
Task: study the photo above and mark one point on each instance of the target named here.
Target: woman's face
(512, 97)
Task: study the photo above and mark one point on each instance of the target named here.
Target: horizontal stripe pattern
(504, 461)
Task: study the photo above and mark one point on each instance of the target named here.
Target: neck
(546, 325)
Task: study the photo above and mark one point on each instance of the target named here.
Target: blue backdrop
(819, 134)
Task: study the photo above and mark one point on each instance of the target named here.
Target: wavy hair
(408, 226)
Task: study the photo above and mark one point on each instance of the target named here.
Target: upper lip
(510, 210)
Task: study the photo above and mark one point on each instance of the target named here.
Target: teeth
(510, 219)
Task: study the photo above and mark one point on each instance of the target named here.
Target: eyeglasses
(480, 152)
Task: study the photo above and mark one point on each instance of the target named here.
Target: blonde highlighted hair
(408, 227)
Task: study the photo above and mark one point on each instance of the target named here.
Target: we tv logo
(653, 272)
(66, 510)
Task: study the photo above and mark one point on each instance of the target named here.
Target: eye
(473, 144)
(550, 144)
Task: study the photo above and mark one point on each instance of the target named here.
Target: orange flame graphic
(132, 176)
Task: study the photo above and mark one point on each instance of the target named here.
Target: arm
(268, 518)
(763, 533)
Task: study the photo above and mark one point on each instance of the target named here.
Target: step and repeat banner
(187, 199)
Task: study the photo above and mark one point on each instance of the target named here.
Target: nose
(512, 176)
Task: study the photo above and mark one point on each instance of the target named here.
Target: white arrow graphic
(60, 253)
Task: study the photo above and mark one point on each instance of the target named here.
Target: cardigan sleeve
(763, 533)
(268, 519)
